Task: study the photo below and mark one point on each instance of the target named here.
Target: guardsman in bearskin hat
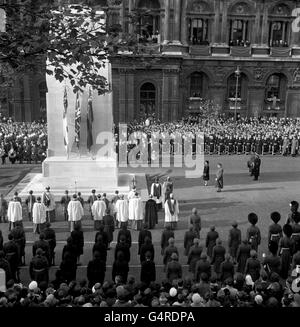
(275, 230)
(253, 232)
(286, 249)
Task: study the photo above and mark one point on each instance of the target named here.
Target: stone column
(130, 94)
(224, 26)
(130, 9)
(216, 25)
(167, 22)
(123, 16)
(165, 96)
(256, 30)
(265, 30)
(122, 96)
(177, 10)
(184, 23)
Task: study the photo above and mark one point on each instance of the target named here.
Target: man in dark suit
(91, 200)
(256, 167)
(142, 235)
(11, 251)
(42, 244)
(64, 202)
(202, 266)
(30, 200)
(126, 233)
(50, 237)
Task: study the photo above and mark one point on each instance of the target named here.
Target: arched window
(198, 31)
(279, 26)
(241, 16)
(237, 87)
(2, 20)
(147, 99)
(149, 21)
(198, 85)
(275, 91)
(239, 32)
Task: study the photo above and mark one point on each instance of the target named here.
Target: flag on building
(65, 121)
(77, 120)
(89, 121)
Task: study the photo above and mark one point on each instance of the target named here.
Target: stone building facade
(242, 55)
(188, 54)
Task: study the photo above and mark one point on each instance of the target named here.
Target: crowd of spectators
(22, 142)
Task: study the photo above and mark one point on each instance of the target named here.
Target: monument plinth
(79, 169)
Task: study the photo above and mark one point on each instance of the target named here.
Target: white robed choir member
(14, 212)
(38, 215)
(122, 211)
(98, 211)
(75, 212)
(136, 212)
(171, 212)
(131, 193)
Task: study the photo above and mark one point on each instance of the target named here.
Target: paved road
(278, 185)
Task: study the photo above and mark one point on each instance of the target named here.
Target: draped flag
(77, 120)
(89, 121)
(65, 121)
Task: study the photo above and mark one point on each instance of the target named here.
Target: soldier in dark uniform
(148, 271)
(42, 244)
(18, 234)
(221, 145)
(78, 241)
(50, 237)
(39, 267)
(253, 266)
(96, 270)
(165, 236)
(194, 255)
(4, 264)
(122, 246)
(211, 144)
(234, 240)
(239, 146)
(296, 232)
(256, 167)
(253, 232)
(109, 226)
(211, 239)
(11, 251)
(243, 253)
(275, 230)
(286, 250)
(248, 143)
(265, 145)
(189, 237)
(218, 256)
(230, 145)
(64, 201)
(202, 266)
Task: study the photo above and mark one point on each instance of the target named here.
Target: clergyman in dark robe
(151, 218)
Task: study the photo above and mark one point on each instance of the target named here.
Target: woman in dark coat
(146, 247)
(218, 256)
(206, 172)
(243, 253)
(219, 178)
(286, 247)
(109, 226)
(78, 240)
(96, 270)
(120, 267)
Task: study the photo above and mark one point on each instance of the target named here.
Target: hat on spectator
(258, 299)
(33, 285)
(249, 280)
(173, 292)
(196, 298)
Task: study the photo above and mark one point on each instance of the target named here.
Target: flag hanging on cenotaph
(89, 121)
(65, 121)
(77, 120)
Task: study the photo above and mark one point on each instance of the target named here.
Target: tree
(66, 41)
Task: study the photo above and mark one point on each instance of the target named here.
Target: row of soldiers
(261, 145)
